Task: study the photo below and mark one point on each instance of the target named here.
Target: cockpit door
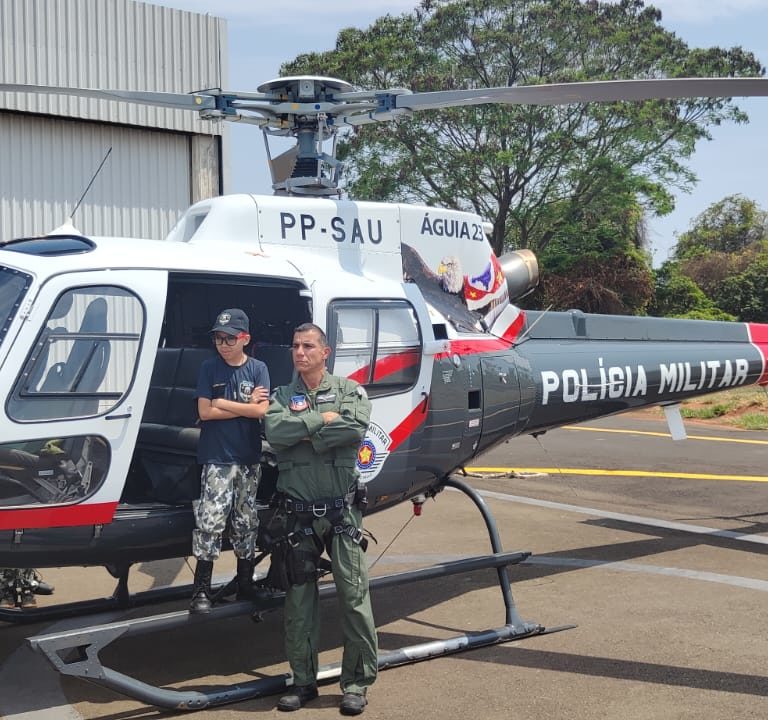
(74, 385)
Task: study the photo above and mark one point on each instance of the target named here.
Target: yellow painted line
(711, 438)
(620, 473)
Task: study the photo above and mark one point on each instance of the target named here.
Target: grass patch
(746, 408)
(754, 421)
(705, 413)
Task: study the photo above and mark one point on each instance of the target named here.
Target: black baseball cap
(232, 322)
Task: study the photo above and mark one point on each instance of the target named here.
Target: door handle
(124, 416)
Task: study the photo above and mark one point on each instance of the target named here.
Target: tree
(746, 294)
(730, 226)
(617, 284)
(722, 258)
(677, 295)
(537, 173)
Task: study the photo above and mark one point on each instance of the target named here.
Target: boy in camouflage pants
(232, 397)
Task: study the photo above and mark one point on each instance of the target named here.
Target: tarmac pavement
(665, 576)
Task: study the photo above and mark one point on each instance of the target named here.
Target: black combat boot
(201, 592)
(245, 579)
(297, 698)
(39, 586)
(353, 703)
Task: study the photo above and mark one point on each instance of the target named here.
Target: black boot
(40, 587)
(201, 592)
(245, 579)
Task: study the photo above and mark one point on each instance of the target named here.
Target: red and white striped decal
(758, 336)
(412, 421)
(58, 516)
(388, 365)
(486, 344)
(398, 361)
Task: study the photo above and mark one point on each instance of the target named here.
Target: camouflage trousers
(227, 501)
(27, 578)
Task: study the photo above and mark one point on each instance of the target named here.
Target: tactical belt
(330, 508)
(317, 508)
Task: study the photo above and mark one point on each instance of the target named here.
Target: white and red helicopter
(101, 340)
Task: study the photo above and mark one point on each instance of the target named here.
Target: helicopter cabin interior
(82, 363)
(164, 467)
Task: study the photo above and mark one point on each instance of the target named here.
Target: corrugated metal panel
(47, 163)
(116, 44)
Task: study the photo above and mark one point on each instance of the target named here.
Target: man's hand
(329, 416)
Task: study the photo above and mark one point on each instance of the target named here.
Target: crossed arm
(221, 409)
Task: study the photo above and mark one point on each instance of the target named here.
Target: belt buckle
(319, 511)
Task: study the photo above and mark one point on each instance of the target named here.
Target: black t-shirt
(236, 441)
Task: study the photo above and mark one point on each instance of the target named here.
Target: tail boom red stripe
(758, 336)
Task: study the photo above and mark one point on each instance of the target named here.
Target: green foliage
(705, 413)
(746, 294)
(729, 226)
(572, 177)
(618, 283)
(677, 295)
(724, 258)
(754, 421)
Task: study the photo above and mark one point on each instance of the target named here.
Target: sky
(261, 36)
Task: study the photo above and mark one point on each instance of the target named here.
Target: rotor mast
(306, 168)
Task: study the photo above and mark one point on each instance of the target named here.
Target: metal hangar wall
(50, 145)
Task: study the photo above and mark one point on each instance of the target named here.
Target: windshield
(13, 287)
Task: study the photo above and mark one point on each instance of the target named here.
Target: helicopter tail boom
(587, 366)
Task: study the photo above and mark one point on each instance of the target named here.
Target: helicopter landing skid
(121, 599)
(76, 652)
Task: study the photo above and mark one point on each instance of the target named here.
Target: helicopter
(101, 339)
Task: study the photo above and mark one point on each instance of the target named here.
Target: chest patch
(246, 390)
(326, 398)
(298, 403)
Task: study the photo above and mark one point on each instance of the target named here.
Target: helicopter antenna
(531, 326)
(88, 187)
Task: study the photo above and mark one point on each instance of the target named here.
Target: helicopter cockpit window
(13, 287)
(83, 361)
(377, 344)
(353, 342)
(52, 470)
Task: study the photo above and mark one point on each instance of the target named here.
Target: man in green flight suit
(315, 425)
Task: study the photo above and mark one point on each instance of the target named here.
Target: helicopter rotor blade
(180, 101)
(582, 92)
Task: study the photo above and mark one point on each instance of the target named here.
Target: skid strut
(76, 652)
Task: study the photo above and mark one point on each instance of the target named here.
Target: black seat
(164, 467)
(169, 423)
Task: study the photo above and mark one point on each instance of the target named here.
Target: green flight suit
(318, 461)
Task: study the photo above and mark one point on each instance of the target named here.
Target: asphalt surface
(663, 572)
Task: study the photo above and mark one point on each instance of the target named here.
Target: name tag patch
(298, 403)
(328, 397)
